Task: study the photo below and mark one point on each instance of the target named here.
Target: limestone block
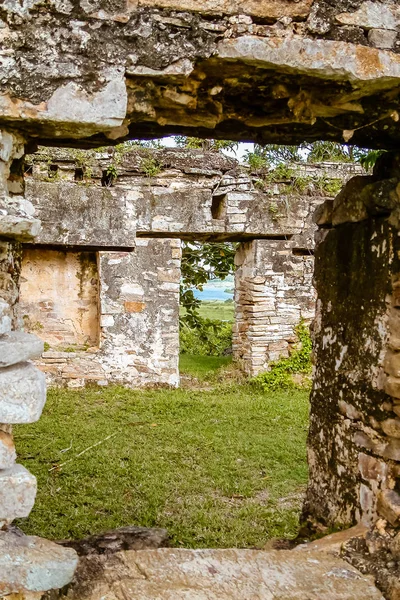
(382, 38)
(19, 347)
(392, 386)
(5, 318)
(323, 213)
(180, 574)
(391, 427)
(8, 454)
(22, 394)
(29, 564)
(389, 506)
(17, 494)
(372, 15)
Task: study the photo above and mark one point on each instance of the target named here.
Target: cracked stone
(8, 454)
(218, 575)
(29, 564)
(17, 494)
(18, 347)
(23, 394)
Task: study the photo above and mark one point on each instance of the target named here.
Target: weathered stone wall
(273, 278)
(273, 293)
(133, 338)
(194, 195)
(59, 297)
(354, 448)
(278, 71)
(117, 195)
(27, 564)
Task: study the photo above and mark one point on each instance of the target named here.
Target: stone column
(354, 436)
(26, 564)
(139, 314)
(273, 293)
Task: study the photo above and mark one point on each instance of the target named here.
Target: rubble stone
(8, 454)
(17, 493)
(18, 347)
(23, 393)
(29, 565)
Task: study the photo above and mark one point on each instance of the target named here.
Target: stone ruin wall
(113, 316)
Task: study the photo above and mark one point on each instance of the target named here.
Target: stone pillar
(26, 564)
(273, 293)
(354, 436)
(139, 313)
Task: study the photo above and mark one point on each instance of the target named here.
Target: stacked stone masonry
(356, 330)
(113, 316)
(22, 396)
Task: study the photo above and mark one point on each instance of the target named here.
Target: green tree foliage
(205, 144)
(272, 155)
(200, 264)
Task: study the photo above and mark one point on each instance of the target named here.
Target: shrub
(280, 375)
(209, 338)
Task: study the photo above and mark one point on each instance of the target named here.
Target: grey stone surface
(5, 318)
(193, 195)
(22, 394)
(8, 454)
(18, 346)
(29, 564)
(382, 38)
(177, 574)
(17, 494)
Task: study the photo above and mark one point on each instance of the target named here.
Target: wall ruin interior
(90, 73)
(139, 300)
(59, 297)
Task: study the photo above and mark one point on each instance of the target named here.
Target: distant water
(215, 290)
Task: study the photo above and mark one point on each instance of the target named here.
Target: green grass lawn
(214, 309)
(202, 367)
(220, 468)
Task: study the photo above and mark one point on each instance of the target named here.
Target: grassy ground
(217, 468)
(214, 309)
(202, 367)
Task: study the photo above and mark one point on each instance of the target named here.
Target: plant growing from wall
(280, 374)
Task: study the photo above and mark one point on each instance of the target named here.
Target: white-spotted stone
(8, 454)
(17, 494)
(22, 394)
(18, 346)
(5, 318)
(30, 564)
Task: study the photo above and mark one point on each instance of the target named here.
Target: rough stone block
(392, 387)
(30, 564)
(391, 427)
(8, 454)
(17, 494)
(5, 318)
(389, 506)
(382, 38)
(180, 574)
(22, 394)
(18, 346)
